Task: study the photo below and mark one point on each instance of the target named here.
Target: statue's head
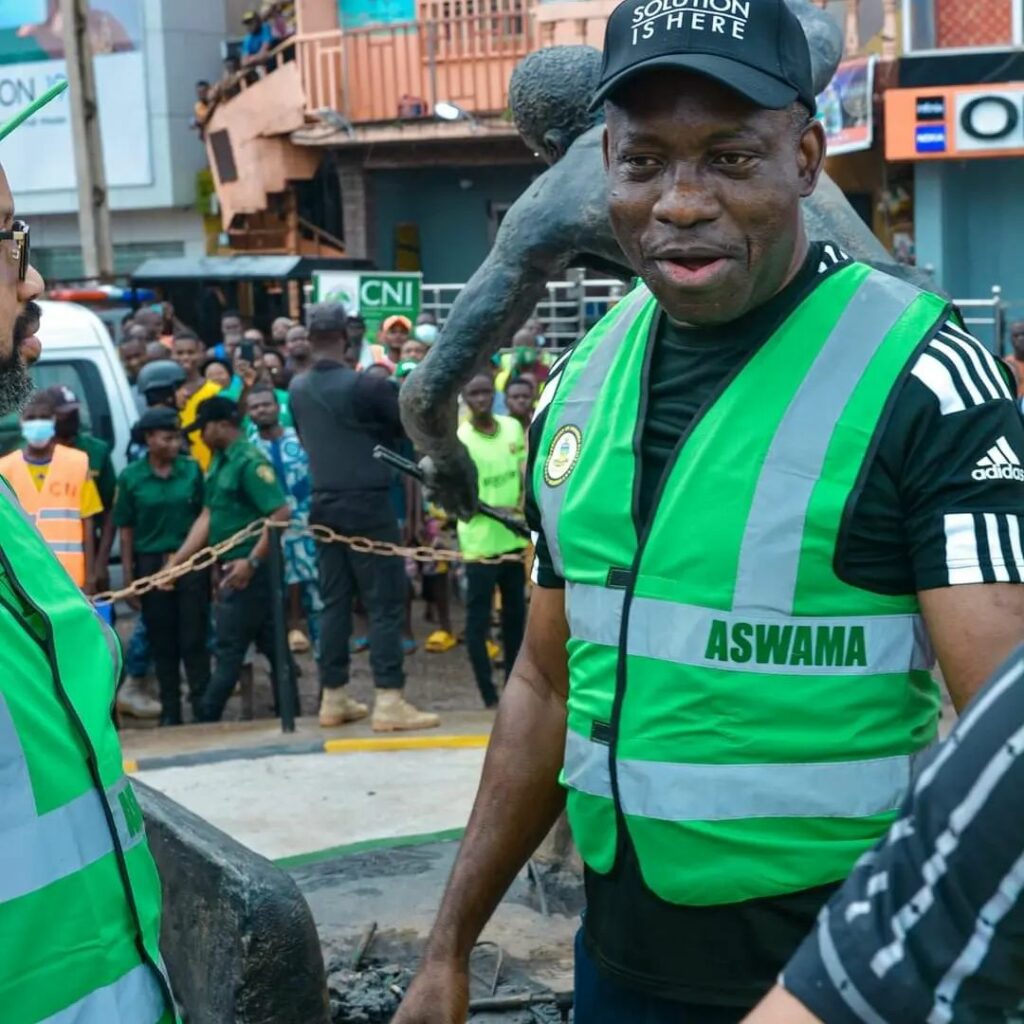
(550, 95)
(824, 39)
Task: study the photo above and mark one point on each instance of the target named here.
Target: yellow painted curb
(378, 743)
(130, 766)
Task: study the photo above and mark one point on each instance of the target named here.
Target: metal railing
(986, 319)
(571, 308)
(402, 70)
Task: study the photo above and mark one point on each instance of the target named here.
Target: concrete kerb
(377, 744)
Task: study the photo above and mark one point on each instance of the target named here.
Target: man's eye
(640, 162)
(734, 160)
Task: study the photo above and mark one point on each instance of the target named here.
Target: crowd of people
(282, 427)
(265, 30)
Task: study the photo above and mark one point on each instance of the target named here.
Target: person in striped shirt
(930, 925)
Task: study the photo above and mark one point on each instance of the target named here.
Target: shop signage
(846, 107)
(372, 294)
(955, 122)
(931, 138)
(931, 108)
(39, 157)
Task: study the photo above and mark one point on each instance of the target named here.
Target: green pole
(33, 108)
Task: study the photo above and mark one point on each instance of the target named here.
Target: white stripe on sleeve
(962, 560)
(1005, 391)
(965, 377)
(1013, 526)
(939, 381)
(967, 374)
(984, 371)
(995, 549)
(971, 957)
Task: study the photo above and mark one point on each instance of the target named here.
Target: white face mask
(38, 433)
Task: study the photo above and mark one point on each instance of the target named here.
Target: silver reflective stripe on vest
(728, 792)
(37, 850)
(578, 407)
(770, 557)
(680, 634)
(67, 514)
(135, 998)
(62, 547)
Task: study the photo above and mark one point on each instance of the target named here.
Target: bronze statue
(561, 220)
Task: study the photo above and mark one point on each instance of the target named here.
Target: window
(955, 25)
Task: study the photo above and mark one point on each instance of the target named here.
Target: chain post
(287, 697)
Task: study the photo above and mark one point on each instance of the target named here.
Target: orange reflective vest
(57, 508)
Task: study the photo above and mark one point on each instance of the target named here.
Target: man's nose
(32, 287)
(686, 200)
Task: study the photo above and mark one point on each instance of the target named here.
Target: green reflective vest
(746, 716)
(79, 892)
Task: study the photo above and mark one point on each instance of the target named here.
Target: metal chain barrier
(209, 556)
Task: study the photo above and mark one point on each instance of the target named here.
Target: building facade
(148, 56)
(956, 122)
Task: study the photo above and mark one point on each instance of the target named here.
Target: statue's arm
(538, 238)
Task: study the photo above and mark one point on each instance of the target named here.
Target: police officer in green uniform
(79, 892)
(159, 498)
(768, 488)
(241, 487)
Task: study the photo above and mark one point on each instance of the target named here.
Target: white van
(78, 353)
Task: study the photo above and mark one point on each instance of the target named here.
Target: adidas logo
(1000, 463)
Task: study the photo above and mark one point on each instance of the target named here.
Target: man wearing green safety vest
(769, 487)
(79, 892)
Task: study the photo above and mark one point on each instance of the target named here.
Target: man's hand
(237, 574)
(438, 995)
(450, 480)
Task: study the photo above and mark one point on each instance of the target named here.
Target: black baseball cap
(756, 47)
(215, 410)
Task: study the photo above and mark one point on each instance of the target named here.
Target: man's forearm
(128, 555)
(106, 542)
(518, 802)
(195, 541)
(262, 548)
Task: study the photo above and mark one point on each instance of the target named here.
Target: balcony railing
(401, 71)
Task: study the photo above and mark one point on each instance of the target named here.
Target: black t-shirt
(939, 506)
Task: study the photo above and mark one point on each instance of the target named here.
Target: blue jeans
(600, 1000)
(138, 657)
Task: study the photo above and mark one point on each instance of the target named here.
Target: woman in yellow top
(188, 354)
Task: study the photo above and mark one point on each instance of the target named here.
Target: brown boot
(393, 713)
(337, 708)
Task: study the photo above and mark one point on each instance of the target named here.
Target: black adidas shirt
(940, 505)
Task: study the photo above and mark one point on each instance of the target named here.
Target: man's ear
(811, 156)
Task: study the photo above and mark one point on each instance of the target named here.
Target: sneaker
(133, 700)
(298, 642)
(393, 713)
(337, 708)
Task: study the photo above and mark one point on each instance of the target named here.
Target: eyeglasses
(19, 251)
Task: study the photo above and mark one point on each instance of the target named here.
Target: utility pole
(93, 210)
